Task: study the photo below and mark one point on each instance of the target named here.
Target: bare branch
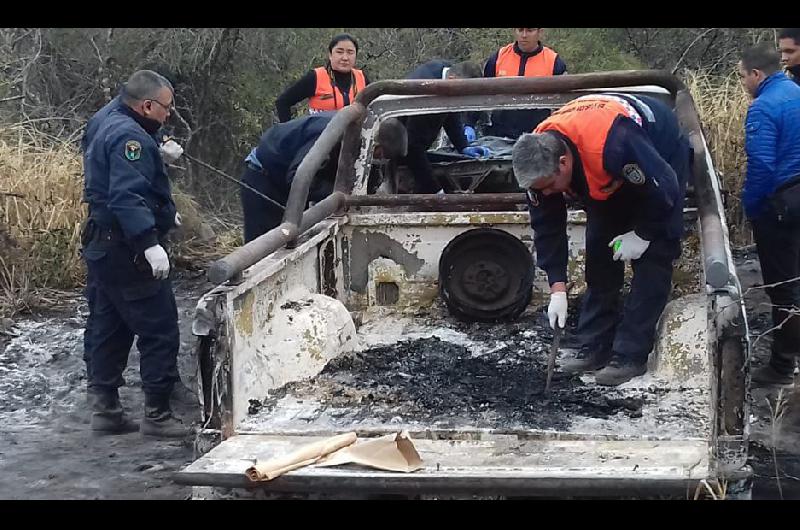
(686, 51)
(97, 51)
(12, 98)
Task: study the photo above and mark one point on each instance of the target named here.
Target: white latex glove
(178, 219)
(170, 151)
(557, 310)
(630, 247)
(157, 257)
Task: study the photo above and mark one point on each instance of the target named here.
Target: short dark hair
(144, 84)
(762, 57)
(790, 33)
(340, 38)
(466, 70)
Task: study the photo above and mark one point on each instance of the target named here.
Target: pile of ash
(428, 380)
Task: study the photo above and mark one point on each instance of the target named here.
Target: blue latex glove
(470, 134)
(477, 152)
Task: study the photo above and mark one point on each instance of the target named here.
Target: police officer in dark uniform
(423, 129)
(626, 159)
(271, 166)
(129, 292)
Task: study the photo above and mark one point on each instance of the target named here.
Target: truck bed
(431, 372)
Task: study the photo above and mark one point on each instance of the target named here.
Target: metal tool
(558, 331)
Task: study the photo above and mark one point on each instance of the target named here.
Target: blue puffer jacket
(772, 141)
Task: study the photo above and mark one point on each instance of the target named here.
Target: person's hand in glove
(157, 257)
(477, 152)
(470, 134)
(178, 220)
(557, 310)
(170, 151)
(628, 246)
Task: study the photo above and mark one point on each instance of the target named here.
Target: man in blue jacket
(129, 292)
(771, 199)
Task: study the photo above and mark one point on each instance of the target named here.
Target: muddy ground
(46, 451)
(772, 443)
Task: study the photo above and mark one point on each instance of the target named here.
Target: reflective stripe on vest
(329, 97)
(539, 65)
(586, 121)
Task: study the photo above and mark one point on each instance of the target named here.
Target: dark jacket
(662, 157)
(423, 129)
(127, 187)
(284, 145)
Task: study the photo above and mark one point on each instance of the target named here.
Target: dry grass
(40, 216)
(722, 105)
(41, 185)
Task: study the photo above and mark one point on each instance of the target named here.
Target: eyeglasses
(168, 108)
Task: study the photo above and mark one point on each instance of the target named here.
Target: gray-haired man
(626, 159)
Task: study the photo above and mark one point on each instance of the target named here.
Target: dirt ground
(766, 435)
(47, 452)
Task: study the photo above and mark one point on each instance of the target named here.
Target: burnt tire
(486, 275)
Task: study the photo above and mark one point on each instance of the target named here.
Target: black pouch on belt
(87, 232)
(786, 200)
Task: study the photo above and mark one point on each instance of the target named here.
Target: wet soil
(46, 449)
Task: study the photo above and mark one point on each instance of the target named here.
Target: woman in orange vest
(525, 57)
(329, 87)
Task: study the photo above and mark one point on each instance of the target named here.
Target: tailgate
(497, 464)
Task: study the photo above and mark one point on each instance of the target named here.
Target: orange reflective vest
(327, 96)
(540, 65)
(586, 121)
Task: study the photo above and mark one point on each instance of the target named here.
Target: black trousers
(125, 301)
(778, 245)
(260, 215)
(630, 334)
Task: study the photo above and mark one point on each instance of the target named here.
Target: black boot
(618, 371)
(108, 417)
(588, 359)
(779, 372)
(182, 395)
(158, 419)
(770, 376)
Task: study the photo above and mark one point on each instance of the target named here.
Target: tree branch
(686, 51)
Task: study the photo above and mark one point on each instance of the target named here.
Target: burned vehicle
(379, 312)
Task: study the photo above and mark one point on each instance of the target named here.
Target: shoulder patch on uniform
(633, 174)
(133, 150)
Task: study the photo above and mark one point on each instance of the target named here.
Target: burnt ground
(46, 450)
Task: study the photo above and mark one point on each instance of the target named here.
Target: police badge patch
(133, 150)
(633, 174)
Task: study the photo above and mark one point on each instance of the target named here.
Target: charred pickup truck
(380, 312)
